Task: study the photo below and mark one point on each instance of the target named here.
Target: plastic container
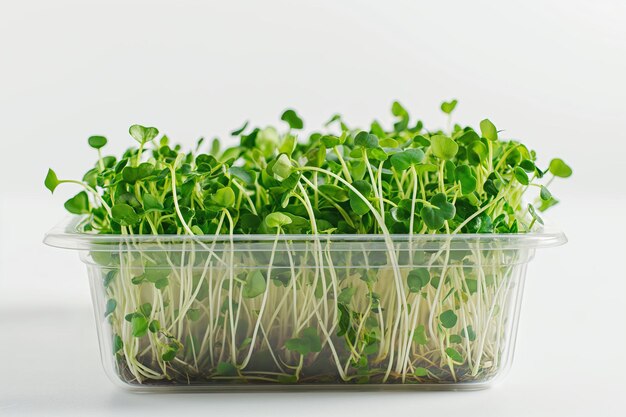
(263, 311)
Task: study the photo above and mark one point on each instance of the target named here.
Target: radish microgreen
(205, 313)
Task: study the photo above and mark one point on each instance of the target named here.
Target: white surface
(550, 73)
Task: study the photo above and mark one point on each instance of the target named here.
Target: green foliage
(448, 319)
(124, 214)
(79, 204)
(400, 180)
(366, 140)
(419, 336)
(435, 217)
(139, 325)
(51, 182)
(346, 295)
(488, 130)
(224, 197)
(273, 181)
(226, 369)
(403, 160)
(443, 147)
(143, 134)
(255, 285)
(274, 220)
(110, 307)
(292, 118)
(118, 343)
(357, 200)
(97, 142)
(309, 341)
(418, 279)
(559, 168)
(448, 106)
(454, 355)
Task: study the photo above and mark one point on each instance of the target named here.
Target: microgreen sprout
(206, 312)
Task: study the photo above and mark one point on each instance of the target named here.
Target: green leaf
(356, 202)
(161, 283)
(143, 134)
(97, 142)
(435, 217)
(288, 145)
(197, 230)
(239, 131)
(469, 333)
(154, 326)
(330, 141)
(246, 175)
(465, 176)
(534, 214)
(403, 160)
(224, 197)
(443, 147)
(134, 174)
(51, 182)
(310, 334)
(448, 106)
(170, 353)
(110, 307)
(403, 116)
(419, 336)
(146, 309)
(477, 152)
(521, 176)
(488, 130)
(420, 372)
(277, 219)
(139, 325)
(255, 285)
(109, 277)
(366, 140)
(448, 319)
(346, 295)
(528, 166)
(546, 204)
(79, 204)
(193, 314)
(118, 344)
(151, 203)
(308, 342)
(454, 355)
(377, 153)
(297, 345)
(334, 118)
(545, 194)
(334, 192)
(226, 369)
(292, 118)
(398, 110)
(418, 279)
(283, 166)
(559, 168)
(125, 215)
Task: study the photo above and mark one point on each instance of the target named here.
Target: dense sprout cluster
(319, 308)
(344, 180)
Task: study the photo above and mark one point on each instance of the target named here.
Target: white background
(550, 73)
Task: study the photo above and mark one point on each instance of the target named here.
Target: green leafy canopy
(403, 179)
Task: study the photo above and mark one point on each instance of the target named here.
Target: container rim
(67, 235)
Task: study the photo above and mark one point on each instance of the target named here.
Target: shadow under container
(302, 311)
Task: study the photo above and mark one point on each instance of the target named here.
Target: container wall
(314, 313)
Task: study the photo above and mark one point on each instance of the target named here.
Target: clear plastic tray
(302, 311)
